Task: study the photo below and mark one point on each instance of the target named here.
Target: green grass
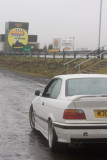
(46, 67)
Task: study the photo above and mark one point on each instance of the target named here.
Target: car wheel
(52, 138)
(32, 118)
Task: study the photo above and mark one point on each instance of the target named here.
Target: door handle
(43, 103)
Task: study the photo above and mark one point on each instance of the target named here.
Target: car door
(46, 103)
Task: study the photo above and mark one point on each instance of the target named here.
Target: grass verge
(46, 67)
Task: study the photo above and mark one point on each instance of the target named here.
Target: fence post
(38, 54)
(25, 54)
(102, 56)
(19, 54)
(30, 54)
(54, 55)
(63, 55)
(74, 55)
(45, 54)
(87, 56)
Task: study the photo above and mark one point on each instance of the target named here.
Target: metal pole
(63, 55)
(67, 68)
(100, 27)
(79, 68)
(73, 48)
(38, 54)
(73, 43)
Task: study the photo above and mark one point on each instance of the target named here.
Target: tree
(45, 48)
(50, 46)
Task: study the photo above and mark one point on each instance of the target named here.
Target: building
(16, 37)
(2, 40)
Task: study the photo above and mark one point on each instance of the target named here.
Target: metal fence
(64, 55)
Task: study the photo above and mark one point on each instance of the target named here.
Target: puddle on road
(17, 141)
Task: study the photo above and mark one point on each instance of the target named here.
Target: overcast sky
(51, 19)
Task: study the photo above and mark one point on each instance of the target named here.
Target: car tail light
(73, 114)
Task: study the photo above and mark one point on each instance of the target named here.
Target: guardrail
(67, 63)
(88, 61)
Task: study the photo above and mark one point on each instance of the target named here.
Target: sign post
(27, 49)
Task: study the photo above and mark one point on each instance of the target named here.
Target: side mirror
(37, 93)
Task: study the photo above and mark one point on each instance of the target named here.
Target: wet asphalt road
(17, 141)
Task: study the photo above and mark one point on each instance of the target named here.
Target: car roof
(72, 76)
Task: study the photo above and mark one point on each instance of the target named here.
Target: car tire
(52, 137)
(32, 118)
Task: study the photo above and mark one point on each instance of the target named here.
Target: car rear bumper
(91, 140)
(68, 133)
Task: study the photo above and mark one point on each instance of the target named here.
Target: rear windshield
(86, 86)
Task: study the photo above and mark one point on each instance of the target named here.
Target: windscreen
(86, 86)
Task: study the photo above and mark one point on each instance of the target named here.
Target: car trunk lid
(94, 107)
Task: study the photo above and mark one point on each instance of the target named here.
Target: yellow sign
(53, 50)
(66, 48)
(18, 37)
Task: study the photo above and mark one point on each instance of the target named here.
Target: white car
(72, 109)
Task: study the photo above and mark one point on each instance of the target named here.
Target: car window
(86, 86)
(56, 89)
(53, 89)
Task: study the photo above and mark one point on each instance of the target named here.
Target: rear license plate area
(100, 113)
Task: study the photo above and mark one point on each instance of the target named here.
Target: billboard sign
(56, 42)
(17, 38)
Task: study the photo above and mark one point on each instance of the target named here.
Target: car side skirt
(44, 132)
